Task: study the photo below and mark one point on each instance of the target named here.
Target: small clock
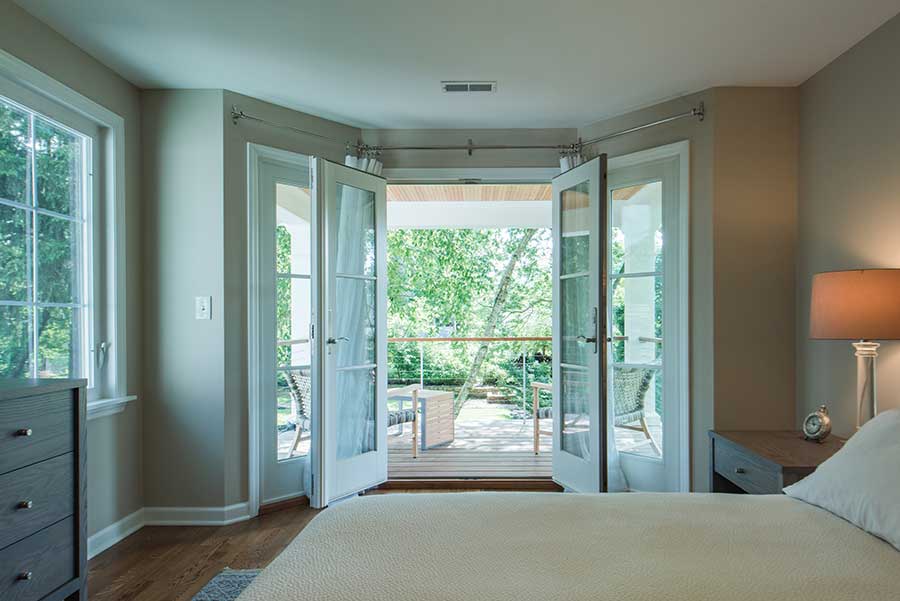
(817, 425)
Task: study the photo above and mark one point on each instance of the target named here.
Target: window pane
(576, 320)
(575, 427)
(58, 243)
(637, 319)
(293, 404)
(354, 324)
(58, 168)
(14, 242)
(293, 309)
(636, 243)
(15, 332)
(638, 402)
(293, 355)
(59, 337)
(293, 234)
(575, 229)
(355, 215)
(355, 394)
(14, 164)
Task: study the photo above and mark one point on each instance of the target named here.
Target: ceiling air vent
(469, 86)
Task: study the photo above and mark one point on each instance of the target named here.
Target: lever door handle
(335, 340)
(586, 339)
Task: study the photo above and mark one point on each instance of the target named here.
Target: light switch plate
(203, 307)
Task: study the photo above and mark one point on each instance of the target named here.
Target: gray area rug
(226, 585)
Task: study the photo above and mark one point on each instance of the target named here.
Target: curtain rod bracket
(700, 111)
(236, 114)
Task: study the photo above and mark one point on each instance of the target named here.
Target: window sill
(104, 407)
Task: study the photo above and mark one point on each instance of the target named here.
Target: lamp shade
(863, 304)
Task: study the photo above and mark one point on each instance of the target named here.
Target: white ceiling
(378, 63)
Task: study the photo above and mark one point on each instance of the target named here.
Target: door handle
(335, 340)
(586, 339)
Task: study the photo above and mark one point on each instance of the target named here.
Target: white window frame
(113, 396)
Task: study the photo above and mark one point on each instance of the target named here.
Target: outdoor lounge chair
(630, 386)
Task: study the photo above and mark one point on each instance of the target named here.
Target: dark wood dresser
(43, 487)
(764, 462)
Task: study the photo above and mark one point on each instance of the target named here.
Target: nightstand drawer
(34, 428)
(746, 470)
(36, 496)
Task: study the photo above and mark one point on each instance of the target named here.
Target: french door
(349, 428)
(579, 327)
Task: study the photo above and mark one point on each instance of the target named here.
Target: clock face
(813, 424)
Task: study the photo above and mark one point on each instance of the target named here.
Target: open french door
(579, 327)
(350, 426)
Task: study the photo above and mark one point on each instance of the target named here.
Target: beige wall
(114, 458)
(849, 208)
(754, 233)
(700, 135)
(184, 417)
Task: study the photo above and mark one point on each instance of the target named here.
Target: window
(45, 243)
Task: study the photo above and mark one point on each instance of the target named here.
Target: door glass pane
(293, 391)
(355, 236)
(575, 204)
(354, 322)
(14, 253)
(636, 243)
(355, 394)
(58, 354)
(293, 313)
(637, 353)
(638, 404)
(15, 348)
(574, 402)
(58, 241)
(576, 320)
(58, 168)
(15, 171)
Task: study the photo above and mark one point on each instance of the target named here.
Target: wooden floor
(172, 563)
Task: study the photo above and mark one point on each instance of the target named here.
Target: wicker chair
(300, 389)
(630, 386)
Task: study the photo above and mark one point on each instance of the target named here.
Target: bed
(549, 546)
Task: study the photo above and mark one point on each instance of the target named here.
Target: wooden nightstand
(762, 463)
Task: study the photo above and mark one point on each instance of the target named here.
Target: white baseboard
(115, 532)
(165, 516)
(196, 516)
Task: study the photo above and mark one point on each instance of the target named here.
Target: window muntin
(45, 301)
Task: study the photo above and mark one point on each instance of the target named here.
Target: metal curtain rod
(699, 111)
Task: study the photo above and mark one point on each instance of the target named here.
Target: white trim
(196, 516)
(487, 174)
(114, 533)
(104, 407)
(42, 84)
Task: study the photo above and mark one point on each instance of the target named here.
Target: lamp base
(866, 406)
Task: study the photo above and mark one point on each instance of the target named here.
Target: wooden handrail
(476, 339)
(542, 386)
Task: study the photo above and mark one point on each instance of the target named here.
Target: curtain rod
(699, 112)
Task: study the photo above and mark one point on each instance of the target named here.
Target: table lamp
(861, 305)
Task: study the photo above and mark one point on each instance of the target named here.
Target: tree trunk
(493, 318)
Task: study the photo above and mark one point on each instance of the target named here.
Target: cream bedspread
(547, 546)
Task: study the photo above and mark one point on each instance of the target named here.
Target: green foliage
(58, 161)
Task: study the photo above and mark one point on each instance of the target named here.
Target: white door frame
(256, 319)
(680, 362)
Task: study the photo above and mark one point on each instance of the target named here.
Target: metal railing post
(524, 382)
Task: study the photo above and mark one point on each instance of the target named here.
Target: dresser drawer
(746, 470)
(36, 496)
(48, 557)
(35, 428)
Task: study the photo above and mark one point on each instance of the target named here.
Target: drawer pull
(24, 576)
(24, 432)
(25, 504)
(740, 470)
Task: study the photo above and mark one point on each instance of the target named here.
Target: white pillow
(861, 482)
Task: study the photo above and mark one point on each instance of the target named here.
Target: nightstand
(764, 462)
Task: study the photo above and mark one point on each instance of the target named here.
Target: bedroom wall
(114, 463)
(849, 208)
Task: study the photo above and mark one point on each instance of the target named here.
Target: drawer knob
(25, 504)
(740, 470)
(24, 432)
(24, 576)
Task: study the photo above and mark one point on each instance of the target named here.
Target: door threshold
(490, 484)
